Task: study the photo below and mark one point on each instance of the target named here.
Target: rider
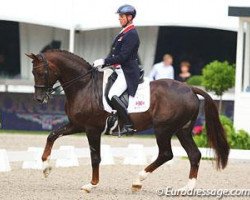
(124, 58)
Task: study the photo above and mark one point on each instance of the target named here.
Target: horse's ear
(32, 56)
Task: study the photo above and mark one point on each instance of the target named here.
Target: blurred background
(195, 31)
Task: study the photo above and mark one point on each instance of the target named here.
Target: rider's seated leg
(123, 115)
(116, 90)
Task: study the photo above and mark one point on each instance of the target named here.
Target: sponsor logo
(139, 103)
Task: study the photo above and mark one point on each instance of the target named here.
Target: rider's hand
(98, 62)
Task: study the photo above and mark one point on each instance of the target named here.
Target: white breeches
(119, 85)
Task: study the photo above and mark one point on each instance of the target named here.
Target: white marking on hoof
(88, 187)
(190, 185)
(137, 183)
(143, 175)
(46, 168)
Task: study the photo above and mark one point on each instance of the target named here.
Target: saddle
(124, 97)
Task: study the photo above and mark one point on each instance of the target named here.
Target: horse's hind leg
(64, 130)
(163, 138)
(194, 155)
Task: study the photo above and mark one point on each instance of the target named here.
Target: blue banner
(20, 112)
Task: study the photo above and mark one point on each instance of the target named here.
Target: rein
(49, 89)
(71, 82)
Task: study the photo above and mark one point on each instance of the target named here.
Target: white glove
(98, 62)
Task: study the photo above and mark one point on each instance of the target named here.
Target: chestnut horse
(174, 107)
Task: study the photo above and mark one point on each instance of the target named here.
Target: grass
(23, 132)
(28, 132)
(202, 158)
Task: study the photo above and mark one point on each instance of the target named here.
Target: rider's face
(124, 19)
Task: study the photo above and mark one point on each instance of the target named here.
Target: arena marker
(36, 161)
(106, 154)
(4, 161)
(70, 159)
(135, 155)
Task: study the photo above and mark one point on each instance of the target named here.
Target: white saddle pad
(139, 103)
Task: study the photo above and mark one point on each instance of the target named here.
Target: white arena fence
(67, 156)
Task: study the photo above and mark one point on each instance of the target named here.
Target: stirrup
(126, 130)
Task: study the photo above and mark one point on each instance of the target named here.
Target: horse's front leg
(64, 130)
(94, 139)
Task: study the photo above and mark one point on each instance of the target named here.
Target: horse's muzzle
(41, 99)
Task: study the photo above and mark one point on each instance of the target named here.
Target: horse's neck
(86, 91)
(88, 84)
(69, 72)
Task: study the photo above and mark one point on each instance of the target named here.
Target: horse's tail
(215, 131)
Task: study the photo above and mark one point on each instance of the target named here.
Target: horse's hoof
(136, 187)
(190, 185)
(47, 171)
(85, 190)
(88, 187)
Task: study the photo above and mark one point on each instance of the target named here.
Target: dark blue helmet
(127, 10)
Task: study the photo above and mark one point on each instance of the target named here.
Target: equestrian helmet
(127, 10)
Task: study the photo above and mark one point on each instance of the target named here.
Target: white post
(239, 57)
(238, 75)
(25, 63)
(71, 40)
(247, 58)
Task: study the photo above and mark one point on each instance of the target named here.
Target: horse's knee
(195, 157)
(165, 156)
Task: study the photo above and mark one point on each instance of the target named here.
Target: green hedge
(236, 140)
(195, 80)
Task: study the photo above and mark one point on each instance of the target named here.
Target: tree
(218, 77)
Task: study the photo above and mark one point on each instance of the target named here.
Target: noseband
(49, 88)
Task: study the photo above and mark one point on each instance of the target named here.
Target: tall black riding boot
(123, 115)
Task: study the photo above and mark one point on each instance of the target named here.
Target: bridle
(45, 65)
(49, 90)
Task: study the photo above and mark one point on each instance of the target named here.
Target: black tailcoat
(124, 51)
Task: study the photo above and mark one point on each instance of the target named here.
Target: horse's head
(45, 76)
